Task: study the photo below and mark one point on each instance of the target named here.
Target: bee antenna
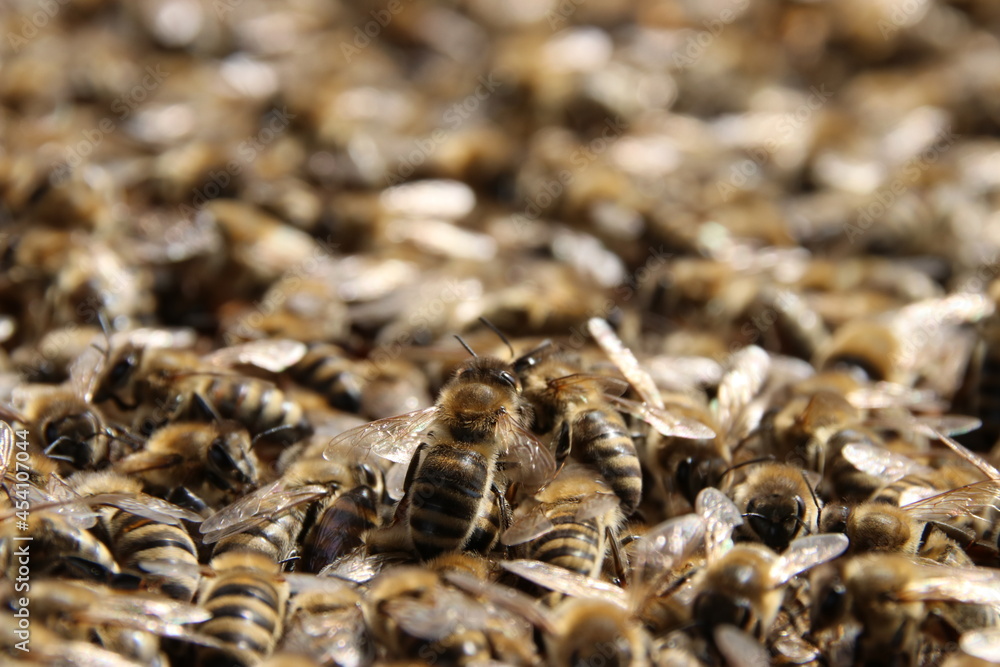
(499, 333)
(465, 345)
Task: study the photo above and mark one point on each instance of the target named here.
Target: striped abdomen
(325, 370)
(138, 540)
(247, 602)
(601, 439)
(341, 528)
(571, 544)
(274, 539)
(258, 405)
(448, 499)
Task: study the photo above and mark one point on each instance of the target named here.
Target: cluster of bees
(554, 505)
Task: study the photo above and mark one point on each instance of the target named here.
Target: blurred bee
(127, 623)
(59, 548)
(778, 505)
(326, 370)
(454, 486)
(745, 586)
(325, 622)
(143, 532)
(170, 385)
(902, 604)
(414, 612)
(393, 388)
(595, 632)
(214, 462)
(247, 601)
(571, 523)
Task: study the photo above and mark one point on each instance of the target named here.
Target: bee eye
(220, 458)
(508, 379)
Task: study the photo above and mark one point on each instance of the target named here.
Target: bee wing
(394, 480)
(84, 370)
(358, 568)
(6, 448)
(625, 361)
(255, 508)
(807, 552)
(880, 462)
(65, 652)
(890, 394)
(721, 517)
(972, 585)
(975, 459)
(983, 644)
(606, 384)
(566, 581)
(748, 369)
(312, 583)
(437, 619)
(739, 648)
(666, 545)
(504, 597)
(146, 506)
(177, 338)
(271, 355)
(663, 420)
(980, 500)
(527, 528)
(393, 438)
(536, 465)
(595, 505)
(172, 612)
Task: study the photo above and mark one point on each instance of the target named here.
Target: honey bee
(778, 504)
(325, 623)
(59, 548)
(454, 487)
(247, 601)
(896, 599)
(326, 370)
(572, 522)
(143, 531)
(745, 586)
(213, 461)
(170, 385)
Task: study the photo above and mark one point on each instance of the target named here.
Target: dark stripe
(240, 641)
(247, 590)
(234, 610)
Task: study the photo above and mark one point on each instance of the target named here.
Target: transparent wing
(502, 596)
(6, 448)
(721, 519)
(595, 505)
(666, 546)
(742, 381)
(983, 644)
(972, 585)
(663, 420)
(880, 462)
(980, 500)
(146, 506)
(625, 361)
(177, 338)
(394, 480)
(890, 394)
(84, 370)
(535, 464)
(271, 355)
(606, 384)
(443, 616)
(393, 438)
(566, 581)
(807, 552)
(975, 459)
(527, 528)
(263, 504)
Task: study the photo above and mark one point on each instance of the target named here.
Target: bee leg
(207, 409)
(564, 442)
(616, 557)
(506, 514)
(411, 471)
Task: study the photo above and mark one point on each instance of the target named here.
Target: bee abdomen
(246, 613)
(139, 540)
(259, 406)
(571, 544)
(445, 499)
(274, 538)
(341, 527)
(605, 443)
(324, 371)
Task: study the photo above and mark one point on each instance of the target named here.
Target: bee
(572, 522)
(454, 486)
(215, 461)
(247, 600)
(897, 600)
(778, 504)
(171, 385)
(59, 548)
(143, 531)
(393, 388)
(745, 586)
(325, 622)
(326, 370)
(595, 632)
